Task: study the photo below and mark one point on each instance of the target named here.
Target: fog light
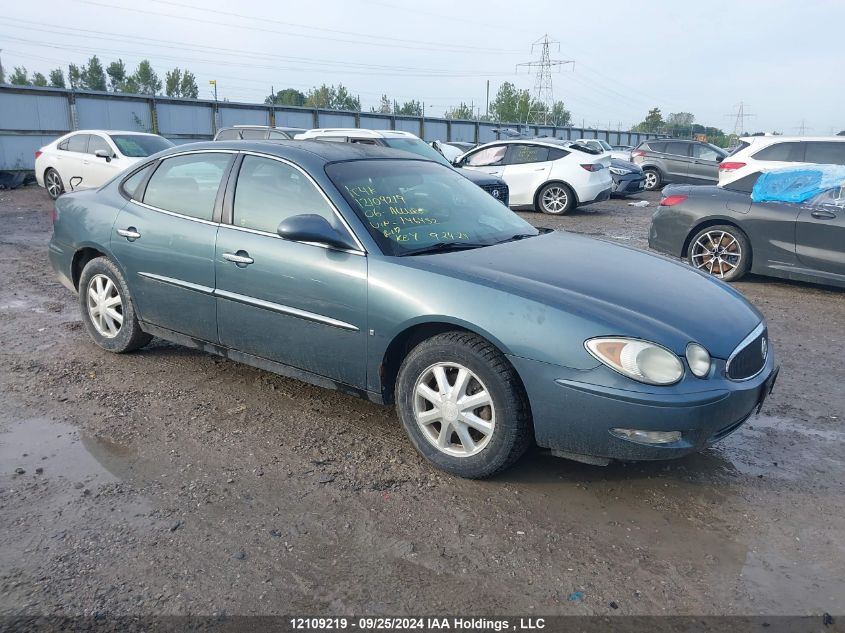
(647, 437)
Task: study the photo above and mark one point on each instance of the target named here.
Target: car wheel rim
(650, 180)
(716, 252)
(555, 199)
(54, 187)
(454, 410)
(105, 306)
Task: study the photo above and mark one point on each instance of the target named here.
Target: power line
(544, 97)
(741, 115)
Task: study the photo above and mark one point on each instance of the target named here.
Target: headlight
(640, 360)
(698, 359)
(619, 171)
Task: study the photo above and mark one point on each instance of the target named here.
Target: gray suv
(665, 161)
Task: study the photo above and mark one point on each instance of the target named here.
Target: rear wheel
(53, 183)
(107, 309)
(462, 405)
(652, 179)
(721, 251)
(555, 199)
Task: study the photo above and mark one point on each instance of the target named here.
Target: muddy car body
(486, 333)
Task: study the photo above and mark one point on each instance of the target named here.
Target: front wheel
(555, 199)
(107, 309)
(462, 405)
(721, 251)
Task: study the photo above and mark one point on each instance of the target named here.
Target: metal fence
(31, 117)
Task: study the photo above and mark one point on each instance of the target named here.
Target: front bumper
(574, 410)
(627, 185)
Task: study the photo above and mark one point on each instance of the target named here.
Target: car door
(70, 158)
(820, 232)
(704, 167)
(677, 159)
(527, 167)
(489, 160)
(97, 170)
(164, 240)
(304, 305)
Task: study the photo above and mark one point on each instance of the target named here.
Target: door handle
(823, 215)
(130, 234)
(240, 259)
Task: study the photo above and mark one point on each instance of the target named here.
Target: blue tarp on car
(797, 184)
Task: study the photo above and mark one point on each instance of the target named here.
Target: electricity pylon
(544, 99)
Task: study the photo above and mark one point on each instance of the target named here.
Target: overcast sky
(782, 59)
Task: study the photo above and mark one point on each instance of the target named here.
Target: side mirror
(103, 153)
(313, 228)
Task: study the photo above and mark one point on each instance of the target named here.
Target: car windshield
(417, 147)
(139, 146)
(605, 145)
(415, 206)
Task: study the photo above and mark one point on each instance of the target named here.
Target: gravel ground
(174, 482)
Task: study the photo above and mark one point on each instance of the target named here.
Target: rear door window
(783, 152)
(521, 154)
(188, 184)
(78, 143)
(253, 135)
(825, 153)
(677, 149)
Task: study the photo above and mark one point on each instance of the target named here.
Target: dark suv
(671, 160)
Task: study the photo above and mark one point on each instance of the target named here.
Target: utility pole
(487, 106)
(740, 116)
(213, 82)
(543, 91)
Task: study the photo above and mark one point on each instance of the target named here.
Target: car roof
(126, 132)
(778, 138)
(261, 127)
(304, 151)
(360, 132)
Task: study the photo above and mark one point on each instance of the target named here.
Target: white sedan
(90, 158)
(548, 175)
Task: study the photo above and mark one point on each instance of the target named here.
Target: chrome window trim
(328, 200)
(283, 309)
(174, 213)
(757, 331)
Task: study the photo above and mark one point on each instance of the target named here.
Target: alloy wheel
(454, 409)
(650, 180)
(54, 184)
(105, 306)
(716, 252)
(555, 199)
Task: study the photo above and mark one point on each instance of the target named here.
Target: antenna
(741, 115)
(541, 105)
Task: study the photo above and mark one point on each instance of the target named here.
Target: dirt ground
(170, 481)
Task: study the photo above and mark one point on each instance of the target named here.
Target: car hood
(622, 290)
(479, 177)
(624, 164)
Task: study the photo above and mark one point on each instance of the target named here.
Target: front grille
(501, 190)
(747, 361)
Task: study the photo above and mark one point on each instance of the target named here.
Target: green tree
(74, 76)
(173, 83)
(385, 106)
(331, 98)
(39, 80)
(560, 116)
(57, 78)
(188, 87)
(462, 111)
(410, 108)
(680, 124)
(2, 74)
(145, 79)
(512, 105)
(652, 123)
(93, 76)
(345, 101)
(288, 96)
(19, 76)
(117, 75)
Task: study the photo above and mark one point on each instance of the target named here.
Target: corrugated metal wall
(31, 117)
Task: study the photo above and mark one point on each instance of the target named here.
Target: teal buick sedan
(394, 278)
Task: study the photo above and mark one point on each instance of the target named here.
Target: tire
(500, 406)
(555, 198)
(53, 183)
(653, 179)
(115, 328)
(722, 251)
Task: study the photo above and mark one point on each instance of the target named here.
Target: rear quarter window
(228, 135)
